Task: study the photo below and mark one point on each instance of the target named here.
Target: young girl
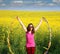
(30, 30)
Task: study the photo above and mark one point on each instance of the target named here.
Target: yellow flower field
(8, 16)
(17, 36)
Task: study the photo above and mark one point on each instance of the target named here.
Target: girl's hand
(44, 19)
(17, 18)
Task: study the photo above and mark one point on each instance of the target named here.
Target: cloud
(1, 0)
(16, 3)
(2, 4)
(56, 1)
(45, 4)
(40, 3)
(51, 4)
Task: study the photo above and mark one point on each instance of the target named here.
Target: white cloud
(40, 3)
(51, 4)
(56, 1)
(3, 4)
(1, 0)
(17, 1)
(45, 4)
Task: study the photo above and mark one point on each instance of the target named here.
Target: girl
(30, 30)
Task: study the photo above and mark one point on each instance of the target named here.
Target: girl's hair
(29, 28)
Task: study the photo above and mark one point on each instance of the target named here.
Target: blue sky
(30, 5)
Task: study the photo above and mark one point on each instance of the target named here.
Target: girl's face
(31, 27)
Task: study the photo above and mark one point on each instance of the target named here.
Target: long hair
(29, 28)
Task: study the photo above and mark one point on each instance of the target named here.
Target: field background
(17, 35)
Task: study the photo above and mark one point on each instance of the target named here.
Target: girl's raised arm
(21, 23)
(38, 25)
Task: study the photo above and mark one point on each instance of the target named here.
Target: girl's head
(30, 27)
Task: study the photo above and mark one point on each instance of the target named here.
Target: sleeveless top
(30, 40)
